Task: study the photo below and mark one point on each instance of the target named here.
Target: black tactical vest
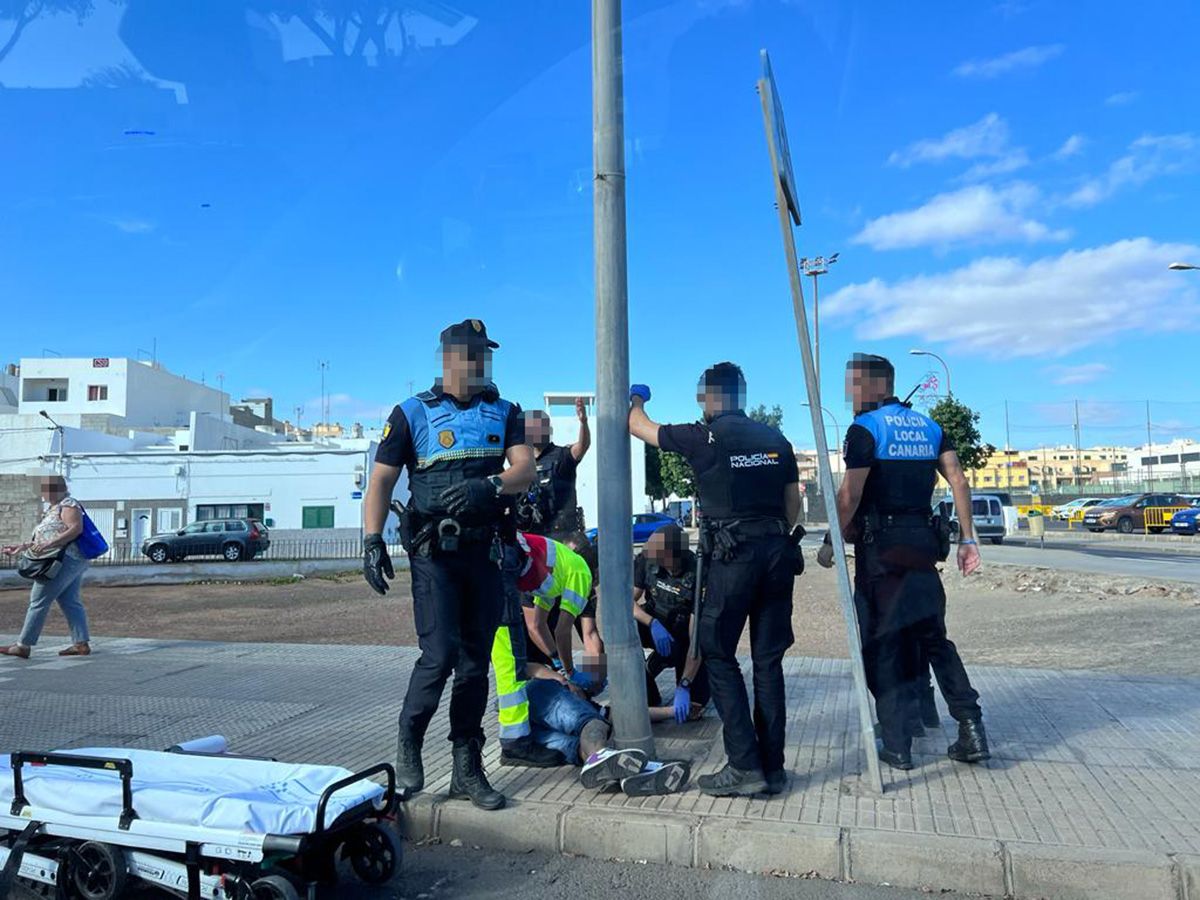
(747, 479)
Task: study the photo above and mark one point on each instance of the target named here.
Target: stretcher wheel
(274, 887)
(374, 853)
(98, 871)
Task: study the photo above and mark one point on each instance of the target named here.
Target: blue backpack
(91, 542)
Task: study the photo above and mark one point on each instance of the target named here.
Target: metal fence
(124, 553)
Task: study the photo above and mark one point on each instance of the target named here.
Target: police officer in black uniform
(750, 496)
(664, 598)
(893, 454)
(550, 508)
(454, 439)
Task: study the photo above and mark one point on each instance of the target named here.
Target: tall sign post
(789, 217)
(626, 663)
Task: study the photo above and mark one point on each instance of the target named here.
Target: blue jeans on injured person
(63, 587)
(558, 716)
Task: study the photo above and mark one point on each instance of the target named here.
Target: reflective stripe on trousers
(510, 691)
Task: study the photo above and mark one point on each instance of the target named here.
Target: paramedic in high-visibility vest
(893, 457)
(455, 439)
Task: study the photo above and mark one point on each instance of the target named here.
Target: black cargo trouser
(656, 663)
(755, 586)
(901, 608)
(457, 603)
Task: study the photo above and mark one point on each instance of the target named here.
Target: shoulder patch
(387, 429)
(446, 438)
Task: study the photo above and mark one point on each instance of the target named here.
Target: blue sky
(1006, 183)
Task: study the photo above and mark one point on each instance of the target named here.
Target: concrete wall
(284, 481)
(28, 442)
(20, 507)
(208, 432)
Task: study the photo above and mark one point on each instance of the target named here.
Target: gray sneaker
(658, 778)
(610, 766)
(733, 782)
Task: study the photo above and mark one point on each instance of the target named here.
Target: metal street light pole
(62, 440)
(626, 663)
(949, 393)
(816, 267)
(836, 427)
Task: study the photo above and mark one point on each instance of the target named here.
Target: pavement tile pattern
(1087, 760)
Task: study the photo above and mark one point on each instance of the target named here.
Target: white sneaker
(608, 766)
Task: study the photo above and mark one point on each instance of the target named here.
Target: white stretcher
(194, 820)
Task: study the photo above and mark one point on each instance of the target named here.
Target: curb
(869, 856)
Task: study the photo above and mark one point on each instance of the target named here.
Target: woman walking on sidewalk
(55, 535)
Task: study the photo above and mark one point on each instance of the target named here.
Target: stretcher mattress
(231, 794)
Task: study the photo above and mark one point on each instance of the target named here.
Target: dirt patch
(1003, 615)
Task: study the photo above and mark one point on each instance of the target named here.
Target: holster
(794, 540)
(941, 527)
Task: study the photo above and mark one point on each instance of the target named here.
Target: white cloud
(1026, 58)
(1081, 374)
(1072, 146)
(1004, 307)
(1150, 156)
(1121, 98)
(972, 215)
(1005, 165)
(133, 226)
(986, 138)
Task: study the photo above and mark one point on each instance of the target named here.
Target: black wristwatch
(685, 682)
(496, 482)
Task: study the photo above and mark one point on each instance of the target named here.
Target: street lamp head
(915, 352)
(1182, 267)
(45, 415)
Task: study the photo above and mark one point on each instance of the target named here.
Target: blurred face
(865, 390)
(665, 552)
(715, 401)
(537, 429)
(53, 489)
(466, 367)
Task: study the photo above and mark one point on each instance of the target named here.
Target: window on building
(316, 517)
(97, 392)
(169, 520)
(56, 395)
(206, 511)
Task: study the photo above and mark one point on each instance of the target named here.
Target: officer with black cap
(750, 496)
(454, 439)
(893, 455)
(550, 508)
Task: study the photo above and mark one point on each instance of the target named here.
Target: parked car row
(1129, 513)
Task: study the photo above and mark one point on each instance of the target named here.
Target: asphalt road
(437, 872)
(1101, 559)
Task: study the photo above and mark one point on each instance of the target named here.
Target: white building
(10, 389)
(560, 406)
(1172, 466)
(140, 393)
(297, 490)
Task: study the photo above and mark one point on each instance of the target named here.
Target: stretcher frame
(189, 860)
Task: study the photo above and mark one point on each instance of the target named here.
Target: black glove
(472, 495)
(376, 563)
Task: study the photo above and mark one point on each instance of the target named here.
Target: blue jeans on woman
(558, 716)
(63, 587)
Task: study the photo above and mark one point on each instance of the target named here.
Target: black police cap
(471, 332)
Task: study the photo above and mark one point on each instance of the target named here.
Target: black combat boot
(525, 751)
(467, 781)
(897, 759)
(410, 774)
(972, 743)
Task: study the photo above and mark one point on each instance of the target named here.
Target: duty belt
(877, 520)
(748, 528)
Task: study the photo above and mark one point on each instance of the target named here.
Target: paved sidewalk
(1093, 789)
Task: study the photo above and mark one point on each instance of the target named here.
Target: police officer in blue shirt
(454, 439)
(750, 497)
(893, 455)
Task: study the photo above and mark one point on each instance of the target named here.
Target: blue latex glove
(583, 680)
(640, 390)
(662, 638)
(683, 704)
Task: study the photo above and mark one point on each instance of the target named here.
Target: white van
(993, 514)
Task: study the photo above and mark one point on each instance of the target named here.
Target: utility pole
(324, 364)
(1007, 448)
(62, 440)
(626, 663)
(221, 382)
(1078, 453)
(816, 267)
(1150, 451)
